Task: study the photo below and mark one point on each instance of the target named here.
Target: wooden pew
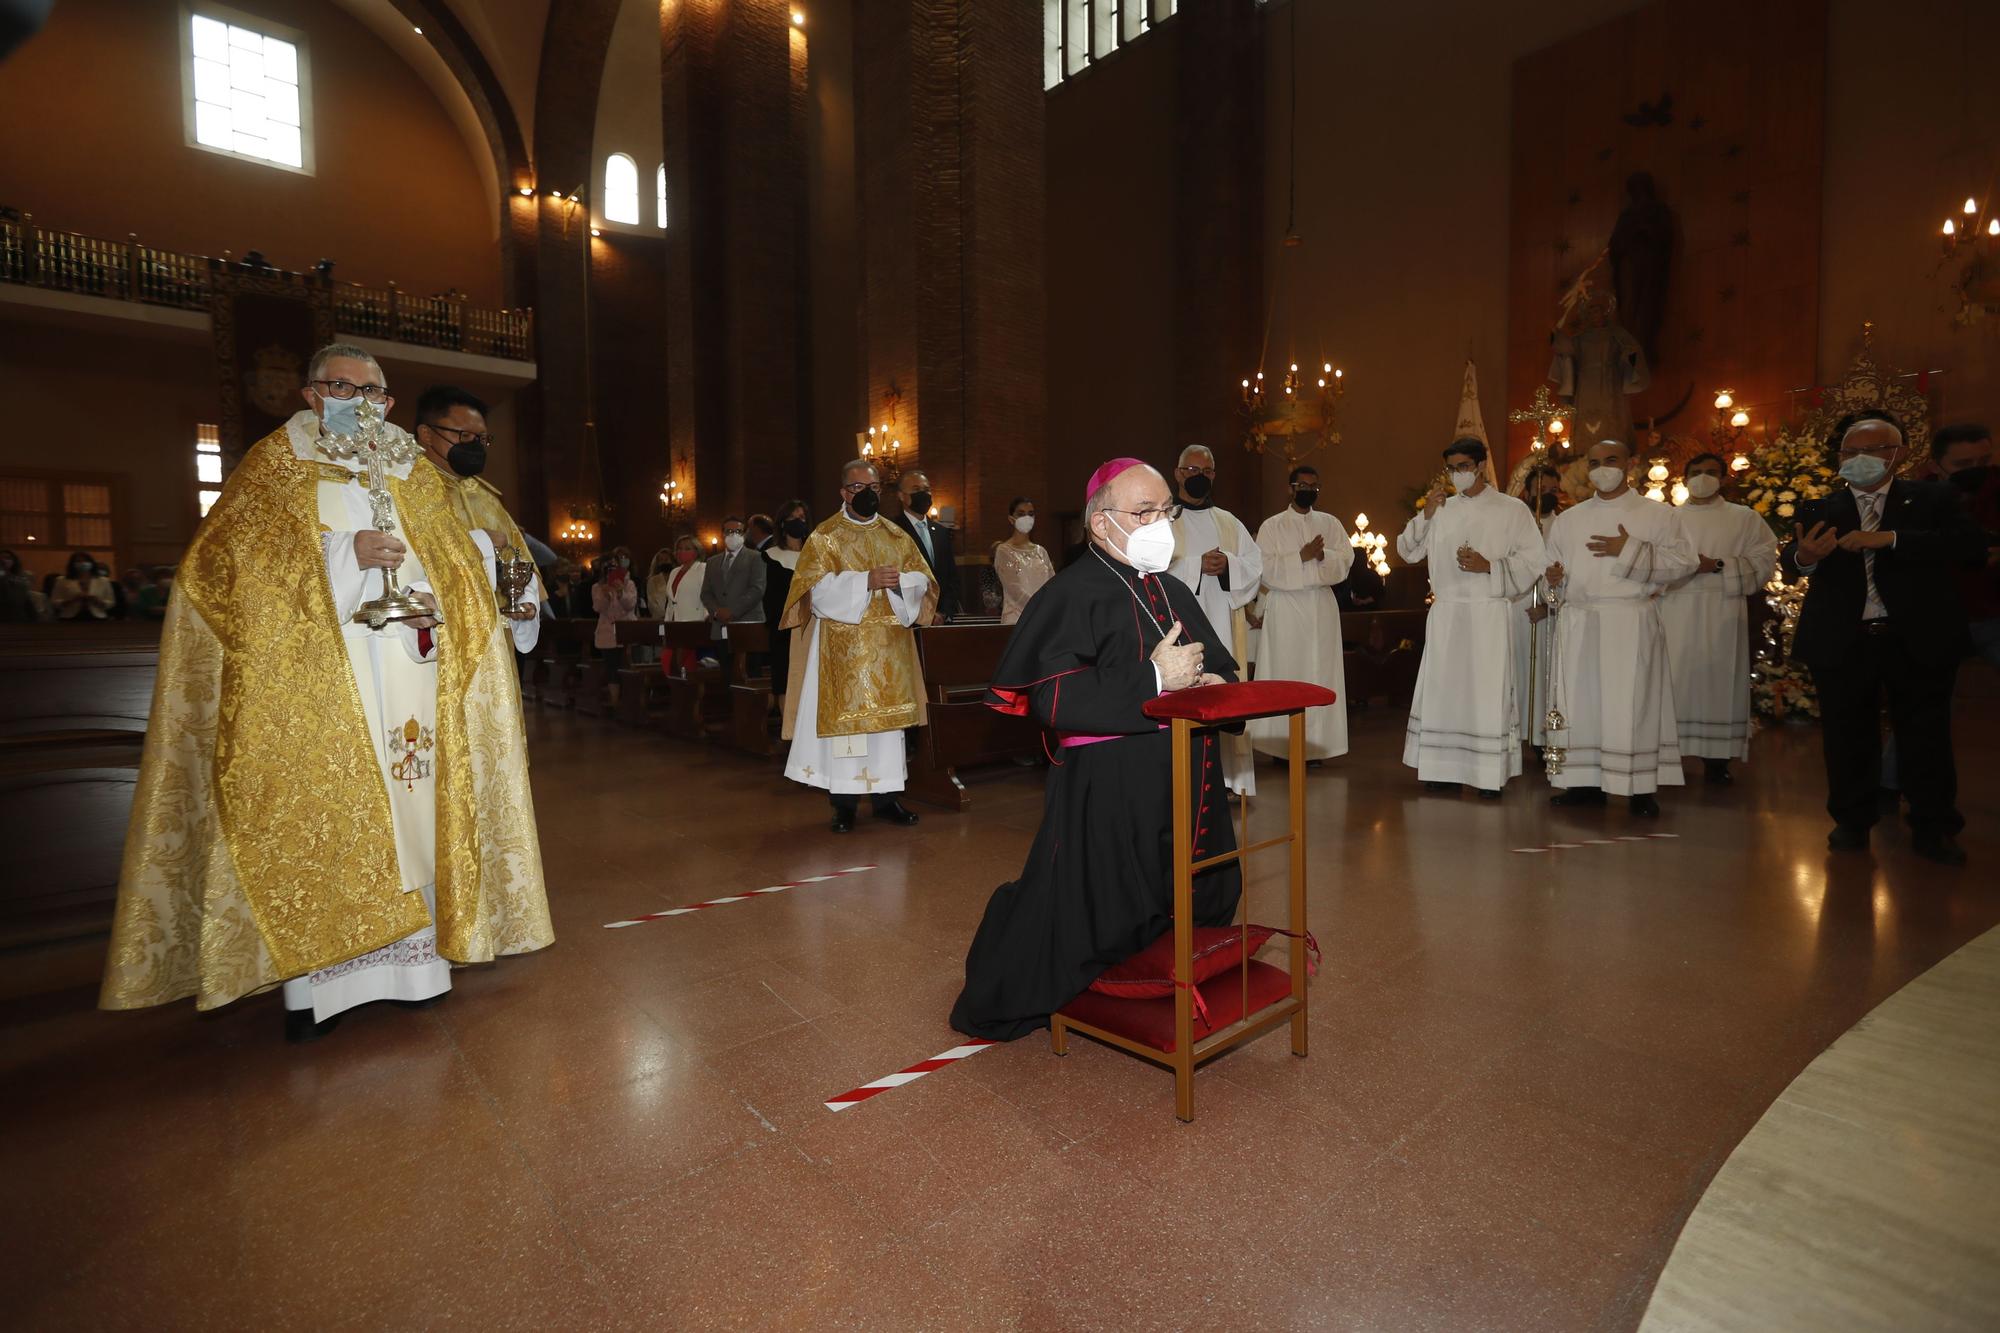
(705, 703)
(565, 646)
(1378, 668)
(750, 695)
(73, 706)
(958, 662)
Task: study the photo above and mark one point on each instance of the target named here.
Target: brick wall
(949, 123)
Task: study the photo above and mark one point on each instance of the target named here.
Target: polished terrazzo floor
(1525, 1069)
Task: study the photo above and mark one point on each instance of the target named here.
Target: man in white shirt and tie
(933, 539)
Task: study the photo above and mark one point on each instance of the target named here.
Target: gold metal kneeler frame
(1187, 1053)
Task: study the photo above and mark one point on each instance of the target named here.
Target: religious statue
(1642, 251)
(1597, 364)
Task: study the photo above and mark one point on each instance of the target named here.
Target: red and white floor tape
(910, 1075)
(735, 898)
(1597, 842)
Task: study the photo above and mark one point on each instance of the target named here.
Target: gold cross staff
(1551, 419)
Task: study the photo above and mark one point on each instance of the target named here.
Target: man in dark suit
(1882, 616)
(732, 587)
(931, 538)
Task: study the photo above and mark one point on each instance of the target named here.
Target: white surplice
(1533, 644)
(1301, 635)
(1612, 680)
(1196, 533)
(1465, 725)
(874, 762)
(398, 687)
(1707, 621)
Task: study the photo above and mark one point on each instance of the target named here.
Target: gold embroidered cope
(261, 847)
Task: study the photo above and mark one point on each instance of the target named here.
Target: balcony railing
(66, 261)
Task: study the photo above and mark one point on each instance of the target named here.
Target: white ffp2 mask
(1151, 548)
(1607, 478)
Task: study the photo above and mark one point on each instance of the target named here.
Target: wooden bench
(73, 706)
(565, 646)
(1377, 667)
(705, 704)
(958, 662)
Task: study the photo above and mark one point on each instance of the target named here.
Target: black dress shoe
(1847, 838)
(1490, 793)
(300, 1028)
(1938, 847)
(895, 812)
(843, 820)
(1644, 806)
(1441, 786)
(1573, 796)
(1718, 774)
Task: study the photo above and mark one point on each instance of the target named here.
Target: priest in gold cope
(855, 680)
(340, 811)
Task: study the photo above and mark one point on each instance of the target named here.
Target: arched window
(661, 214)
(621, 189)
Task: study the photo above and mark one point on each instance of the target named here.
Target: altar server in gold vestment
(451, 430)
(860, 585)
(340, 810)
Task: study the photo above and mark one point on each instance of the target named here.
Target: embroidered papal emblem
(408, 744)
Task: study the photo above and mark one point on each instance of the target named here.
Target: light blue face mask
(341, 416)
(1864, 470)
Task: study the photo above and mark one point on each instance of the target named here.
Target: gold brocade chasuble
(869, 676)
(261, 845)
(478, 505)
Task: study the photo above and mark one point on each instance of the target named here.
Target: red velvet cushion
(1208, 704)
(1152, 1021)
(1150, 972)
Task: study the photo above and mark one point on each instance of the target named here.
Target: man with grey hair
(859, 587)
(349, 791)
(1217, 557)
(1881, 619)
(1099, 640)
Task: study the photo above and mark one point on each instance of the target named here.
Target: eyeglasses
(856, 487)
(341, 389)
(1467, 466)
(457, 436)
(1190, 469)
(1147, 517)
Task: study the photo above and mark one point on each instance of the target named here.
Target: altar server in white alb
(1484, 550)
(1609, 558)
(1708, 620)
(1217, 558)
(1534, 624)
(1305, 554)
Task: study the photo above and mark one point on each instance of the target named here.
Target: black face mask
(866, 504)
(1197, 487)
(797, 528)
(918, 505)
(467, 460)
(1970, 479)
(1306, 497)
(1545, 504)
